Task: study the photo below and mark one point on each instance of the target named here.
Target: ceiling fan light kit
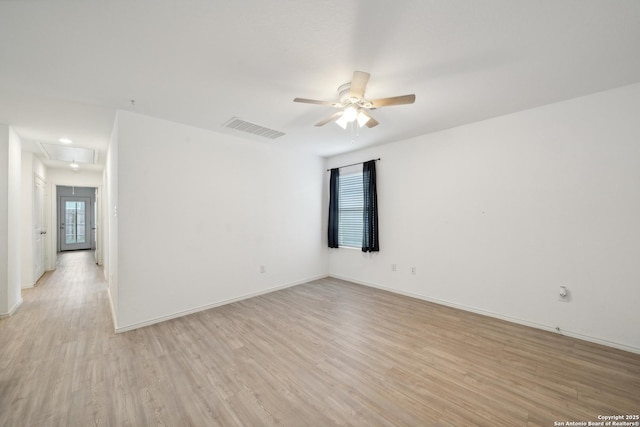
(354, 106)
(350, 113)
(362, 118)
(342, 121)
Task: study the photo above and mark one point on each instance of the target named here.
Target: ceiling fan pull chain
(352, 133)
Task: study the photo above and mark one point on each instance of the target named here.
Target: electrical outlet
(394, 267)
(413, 270)
(262, 269)
(563, 294)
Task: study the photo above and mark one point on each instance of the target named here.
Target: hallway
(53, 347)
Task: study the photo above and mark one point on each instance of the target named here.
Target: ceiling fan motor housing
(344, 92)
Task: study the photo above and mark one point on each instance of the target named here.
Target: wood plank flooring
(326, 353)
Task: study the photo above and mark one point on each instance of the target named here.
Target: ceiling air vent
(242, 126)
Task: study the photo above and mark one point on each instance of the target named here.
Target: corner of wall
(109, 207)
(14, 240)
(27, 280)
(497, 214)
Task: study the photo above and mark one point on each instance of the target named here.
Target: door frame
(88, 244)
(54, 183)
(39, 227)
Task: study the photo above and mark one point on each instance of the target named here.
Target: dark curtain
(333, 208)
(370, 212)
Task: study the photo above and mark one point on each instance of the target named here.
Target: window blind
(350, 204)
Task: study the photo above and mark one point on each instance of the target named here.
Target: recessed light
(65, 140)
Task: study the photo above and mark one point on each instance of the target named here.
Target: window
(74, 222)
(350, 206)
(353, 209)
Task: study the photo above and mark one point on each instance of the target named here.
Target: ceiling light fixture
(73, 165)
(342, 121)
(353, 105)
(65, 140)
(351, 114)
(362, 118)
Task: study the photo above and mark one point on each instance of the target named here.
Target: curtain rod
(353, 164)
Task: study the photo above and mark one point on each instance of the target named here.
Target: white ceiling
(66, 66)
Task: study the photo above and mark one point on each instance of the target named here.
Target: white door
(39, 229)
(75, 214)
(96, 235)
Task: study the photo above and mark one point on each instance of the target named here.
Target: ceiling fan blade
(372, 122)
(333, 117)
(394, 100)
(313, 101)
(358, 84)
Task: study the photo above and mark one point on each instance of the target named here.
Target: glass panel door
(74, 212)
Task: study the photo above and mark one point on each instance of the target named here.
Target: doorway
(76, 218)
(40, 228)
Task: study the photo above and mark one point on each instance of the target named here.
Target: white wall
(4, 220)
(10, 267)
(110, 222)
(67, 177)
(199, 212)
(497, 215)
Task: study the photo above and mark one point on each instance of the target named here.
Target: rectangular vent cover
(242, 126)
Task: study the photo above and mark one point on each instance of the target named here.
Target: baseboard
(12, 310)
(214, 305)
(32, 285)
(114, 319)
(38, 280)
(518, 321)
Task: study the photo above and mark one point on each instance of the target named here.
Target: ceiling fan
(354, 107)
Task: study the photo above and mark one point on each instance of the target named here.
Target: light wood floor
(320, 354)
